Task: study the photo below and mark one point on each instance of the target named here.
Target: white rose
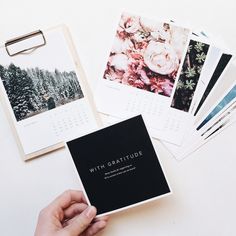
(129, 23)
(161, 58)
(161, 34)
(119, 61)
(157, 30)
(120, 45)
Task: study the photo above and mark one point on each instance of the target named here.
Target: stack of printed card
(167, 73)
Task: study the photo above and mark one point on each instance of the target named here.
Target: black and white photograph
(34, 90)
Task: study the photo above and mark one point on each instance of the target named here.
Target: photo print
(229, 97)
(223, 62)
(35, 90)
(146, 54)
(190, 74)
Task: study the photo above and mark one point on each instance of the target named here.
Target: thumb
(81, 222)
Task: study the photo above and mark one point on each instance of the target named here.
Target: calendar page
(164, 123)
(45, 94)
(153, 69)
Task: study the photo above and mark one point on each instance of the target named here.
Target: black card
(118, 166)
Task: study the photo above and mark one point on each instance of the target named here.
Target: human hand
(69, 215)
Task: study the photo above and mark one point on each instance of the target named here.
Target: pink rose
(167, 88)
(159, 85)
(161, 58)
(138, 84)
(143, 76)
(140, 37)
(129, 24)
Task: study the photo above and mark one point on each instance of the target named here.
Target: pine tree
(71, 93)
(20, 92)
(4, 77)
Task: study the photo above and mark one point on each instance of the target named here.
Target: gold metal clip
(22, 38)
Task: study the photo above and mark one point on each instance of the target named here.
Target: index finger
(65, 199)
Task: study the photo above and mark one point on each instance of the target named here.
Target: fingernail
(90, 212)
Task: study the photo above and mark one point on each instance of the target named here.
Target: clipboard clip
(19, 45)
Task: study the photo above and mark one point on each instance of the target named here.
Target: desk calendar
(44, 91)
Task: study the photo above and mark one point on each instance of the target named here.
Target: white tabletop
(204, 193)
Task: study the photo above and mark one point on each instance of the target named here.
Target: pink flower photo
(146, 54)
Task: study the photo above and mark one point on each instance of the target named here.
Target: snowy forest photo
(33, 90)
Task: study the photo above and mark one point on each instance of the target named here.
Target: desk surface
(204, 193)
